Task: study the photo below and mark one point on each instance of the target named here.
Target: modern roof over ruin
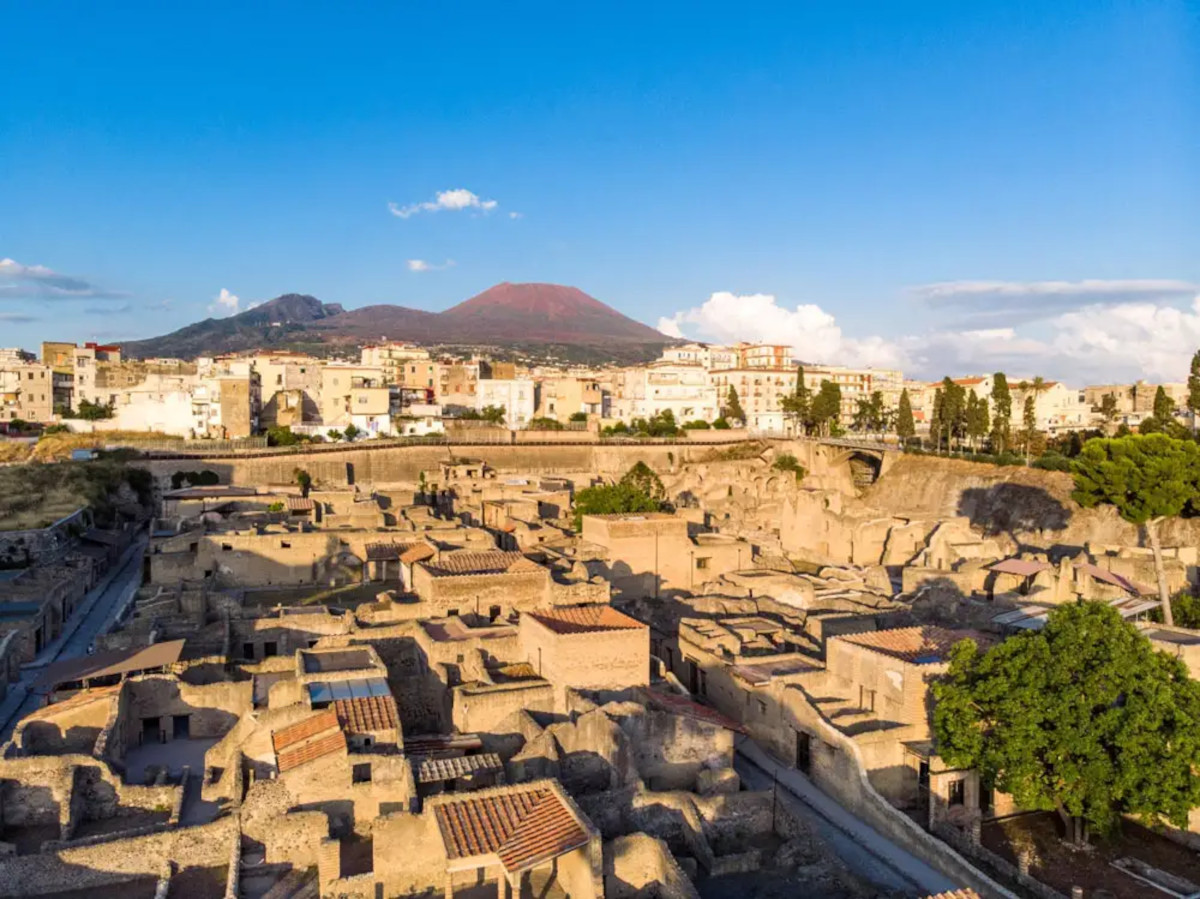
(336, 660)
(315, 737)
(689, 708)
(367, 714)
(436, 770)
(1021, 567)
(585, 619)
(521, 826)
(107, 664)
(923, 645)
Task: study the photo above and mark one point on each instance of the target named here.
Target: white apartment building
(702, 354)
(420, 420)
(759, 391)
(856, 384)
(518, 397)
(356, 395)
(682, 388)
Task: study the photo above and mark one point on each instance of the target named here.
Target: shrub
(788, 462)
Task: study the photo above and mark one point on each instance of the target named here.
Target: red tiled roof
(311, 751)
(302, 730)
(522, 827)
(299, 504)
(585, 619)
(493, 562)
(956, 894)
(416, 554)
(922, 645)
(689, 708)
(384, 552)
(367, 714)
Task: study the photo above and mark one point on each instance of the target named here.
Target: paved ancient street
(96, 615)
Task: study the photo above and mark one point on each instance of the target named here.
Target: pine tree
(1193, 385)
(798, 406)
(1029, 419)
(936, 423)
(733, 407)
(906, 428)
(1164, 409)
(1002, 417)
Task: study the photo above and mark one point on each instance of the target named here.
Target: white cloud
(37, 282)
(452, 200)
(17, 318)
(1101, 343)
(980, 303)
(420, 265)
(515, 215)
(812, 332)
(225, 303)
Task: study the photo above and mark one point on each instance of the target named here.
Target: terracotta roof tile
(418, 553)
(522, 827)
(367, 715)
(585, 619)
(299, 504)
(311, 751)
(922, 645)
(437, 770)
(956, 894)
(302, 730)
(492, 562)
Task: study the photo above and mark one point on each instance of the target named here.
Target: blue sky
(802, 172)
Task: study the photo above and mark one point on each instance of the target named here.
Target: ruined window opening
(192, 547)
(270, 648)
(866, 699)
(226, 547)
(248, 651)
(958, 789)
(283, 544)
(451, 613)
(702, 562)
(762, 707)
(494, 612)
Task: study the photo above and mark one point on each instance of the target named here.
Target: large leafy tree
(1002, 419)
(905, 426)
(826, 407)
(642, 477)
(612, 499)
(1108, 409)
(1083, 717)
(1146, 477)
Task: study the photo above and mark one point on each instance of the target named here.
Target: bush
(545, 424)
(281, 436)
(788, 462)
(276, 507)
(721, 424)
(1053, 462)
(698, 425)
(579, 416)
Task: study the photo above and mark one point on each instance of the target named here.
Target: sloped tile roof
(522, 827)
(299, 504)
(585, 619)
(367, 715)
(491, 562)
(437, 770)
(922, 645)
(311, 751)
(956, 894)
(302, 730)
(418, 553)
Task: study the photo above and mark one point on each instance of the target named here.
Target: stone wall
(488, 708)
(595, 659)
(638, 864)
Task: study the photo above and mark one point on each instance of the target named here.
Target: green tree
(1164, 408)
(1108, 409)
(1002, 407)
(936, 422)
(1083, 717)
(1193, 386)
(611, 499)
(335, 435)
(906, 428)
(720, 424)
(1185, 608)
(281, 436)
(826, 407)
(578, 416)
(954, 410)
(493, 414)
(351, 432)
(545, 424)
(1146, 478)
(1029, 430)
(303, 480)
(90, 411)
(977, 419)
(796, 406)
(788, 462)
(733, 406)
(642, 477)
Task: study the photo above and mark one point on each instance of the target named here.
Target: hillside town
(398, 389)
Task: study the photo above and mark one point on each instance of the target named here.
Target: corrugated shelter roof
(923, 645)
(522, 827)
(105, 664)
(1109, 577)
(302, 730)
(367, 715)
(1022, 567)
(438, 770)
(492, 562)
(429, 744)
(384, 552)
(299, 504)
(585, 619)
(689, 708)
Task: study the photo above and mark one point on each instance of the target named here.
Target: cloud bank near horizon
(1097, 332)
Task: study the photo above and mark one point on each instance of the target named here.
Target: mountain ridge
(506, 314)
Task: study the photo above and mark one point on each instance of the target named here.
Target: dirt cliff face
(1028, 503)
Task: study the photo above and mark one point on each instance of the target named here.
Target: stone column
(329, 861)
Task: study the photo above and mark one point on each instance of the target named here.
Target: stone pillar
(329, 861)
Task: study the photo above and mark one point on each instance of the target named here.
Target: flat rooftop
(337, 660)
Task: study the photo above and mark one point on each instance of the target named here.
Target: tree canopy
(1164, 406)
(609, 499)
(733, 406)
(1083, 717)
(906, 428)
(642, 477)
(1002, 406)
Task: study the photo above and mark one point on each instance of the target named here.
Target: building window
(362, 773)
(270, 649)
(248, 651)
(226, 547)
(866, 699)
(702, 562)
